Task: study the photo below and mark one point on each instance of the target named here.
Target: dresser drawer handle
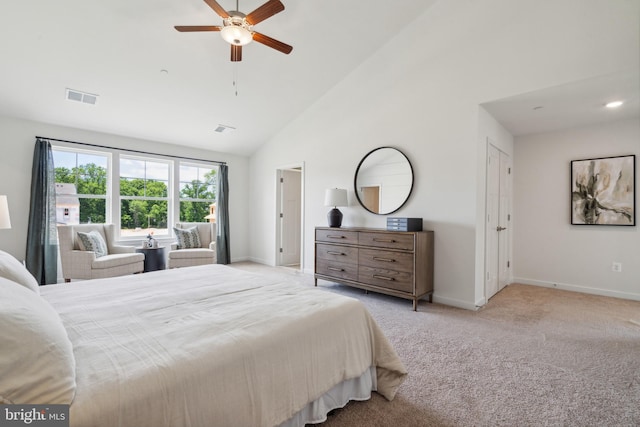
(335, 269)
(384, 240)
(335, 237)
(390, 279)
(375, 258)
(335, 253)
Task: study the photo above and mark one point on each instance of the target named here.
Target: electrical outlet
(616, 267)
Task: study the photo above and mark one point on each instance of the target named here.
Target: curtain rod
(132, 151)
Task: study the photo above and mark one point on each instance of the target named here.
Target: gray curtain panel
(222, 198)
(42, 237)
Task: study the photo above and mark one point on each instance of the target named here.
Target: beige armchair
(204, 254)
(83, 264)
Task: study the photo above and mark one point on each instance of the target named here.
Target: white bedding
(212, 346)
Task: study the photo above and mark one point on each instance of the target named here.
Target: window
(81, 186)
(140, 194)
(197, 192)
(144, 196)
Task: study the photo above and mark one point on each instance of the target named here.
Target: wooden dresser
(391, 262)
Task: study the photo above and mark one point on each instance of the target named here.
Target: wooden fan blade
(213, 4)
(190, 28)
(272, 43)
(236, 53)
(265, 11)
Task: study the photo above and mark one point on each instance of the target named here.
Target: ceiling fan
(237, 28)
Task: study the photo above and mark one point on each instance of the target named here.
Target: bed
(215, 346)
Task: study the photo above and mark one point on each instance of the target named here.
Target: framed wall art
(603, 191)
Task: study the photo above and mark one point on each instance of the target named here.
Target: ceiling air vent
(76, 95)
(224, 129)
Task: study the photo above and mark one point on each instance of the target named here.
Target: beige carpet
(532, 356)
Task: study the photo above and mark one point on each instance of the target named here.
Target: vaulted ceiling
(155, 83)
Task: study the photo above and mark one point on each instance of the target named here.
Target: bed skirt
(315, 412)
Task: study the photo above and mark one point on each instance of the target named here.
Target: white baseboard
(257, 261)
(577, 288)
(481, 302)
(454, 302)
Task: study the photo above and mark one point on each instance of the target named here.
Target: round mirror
(384, 180)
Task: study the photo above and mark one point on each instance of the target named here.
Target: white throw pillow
(187, 238)
(93, 242)
(12, 269)
(37, 365)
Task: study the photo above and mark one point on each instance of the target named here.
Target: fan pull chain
(235, 78)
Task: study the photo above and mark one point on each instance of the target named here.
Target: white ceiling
(569, 106)
(117, 49)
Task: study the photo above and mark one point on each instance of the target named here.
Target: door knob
(498, 228)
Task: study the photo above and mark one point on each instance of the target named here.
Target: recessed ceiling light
(613, 104)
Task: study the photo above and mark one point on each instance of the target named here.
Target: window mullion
(115, 193)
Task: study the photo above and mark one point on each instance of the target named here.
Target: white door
(290, 216)
(504, 221)
(498, 221)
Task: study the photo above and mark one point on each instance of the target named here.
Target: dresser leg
(315, 280)
(415, 304)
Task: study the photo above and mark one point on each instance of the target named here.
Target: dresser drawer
(386, 278)
(337, 236)
(387, 240)
(399, 261)
(337, 253)
(338, 270)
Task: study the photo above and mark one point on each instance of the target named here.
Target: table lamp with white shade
(5, 221)
(335, 197)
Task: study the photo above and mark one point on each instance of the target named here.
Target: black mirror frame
(355, 181)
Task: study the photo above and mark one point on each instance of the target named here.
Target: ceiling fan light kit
(237, 28)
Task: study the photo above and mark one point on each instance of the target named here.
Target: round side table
(154, 258)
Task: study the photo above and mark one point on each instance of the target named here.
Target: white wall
(17, 139)
(549, 251)
(420, 93)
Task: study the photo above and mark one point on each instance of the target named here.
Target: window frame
(169, 199)
(107, 197)
(180, 199)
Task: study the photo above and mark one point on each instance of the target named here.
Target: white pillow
(12, 269)
(187, 238)
(93, 242)
(37, 365)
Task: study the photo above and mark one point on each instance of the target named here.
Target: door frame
(278, 205)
